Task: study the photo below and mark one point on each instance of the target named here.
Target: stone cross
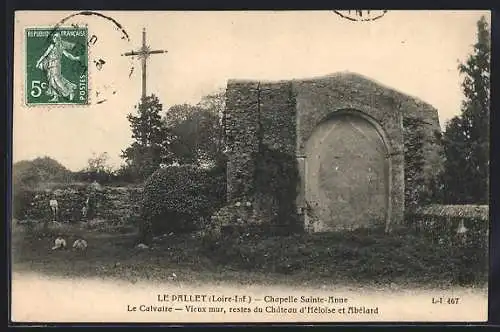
(144, 52)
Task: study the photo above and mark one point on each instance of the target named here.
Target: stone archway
(348, 173)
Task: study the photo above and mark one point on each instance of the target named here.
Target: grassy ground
(367, 258)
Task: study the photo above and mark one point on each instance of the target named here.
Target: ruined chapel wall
(260, 136)
(278, 176)
(279, 117)
(319, 99)
(430, 130)
(241, 120)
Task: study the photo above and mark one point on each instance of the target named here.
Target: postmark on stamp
(56, 66)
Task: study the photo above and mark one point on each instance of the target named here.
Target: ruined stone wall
(242, 128)
(112, 204)
(277, 174)
(321, 98)
(278, 117)
(426, 120)
(260, 141)
(267, 125)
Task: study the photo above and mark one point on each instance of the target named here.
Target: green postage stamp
(56, 66)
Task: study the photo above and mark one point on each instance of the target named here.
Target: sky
(415, 52)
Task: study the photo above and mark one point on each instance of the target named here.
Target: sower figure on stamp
(50, 62)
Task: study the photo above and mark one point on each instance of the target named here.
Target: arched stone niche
(321, 105)
(348, 173)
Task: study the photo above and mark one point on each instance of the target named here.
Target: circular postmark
(361, 15)
(78, 61)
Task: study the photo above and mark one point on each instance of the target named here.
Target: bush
(180, 199)
(21, 200)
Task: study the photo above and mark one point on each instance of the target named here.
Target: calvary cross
(144, 52)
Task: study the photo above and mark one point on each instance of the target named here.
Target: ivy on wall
(416, 191)
(276, 177)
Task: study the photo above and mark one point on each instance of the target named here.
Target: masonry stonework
(343, 120)
(242, 128)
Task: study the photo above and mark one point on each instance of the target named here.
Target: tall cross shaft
(143, 53)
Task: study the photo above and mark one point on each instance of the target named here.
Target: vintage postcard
(250, 166)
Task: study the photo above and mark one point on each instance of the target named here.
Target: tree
(99, 163)
(151, 139)
(97, 169)
(33, 172)
(197, 130)
(215, 104)
(28, 175)
(466, 137)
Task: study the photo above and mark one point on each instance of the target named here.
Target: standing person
(90, 206)
(92, 199)
(54, 207)
(85, 209)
